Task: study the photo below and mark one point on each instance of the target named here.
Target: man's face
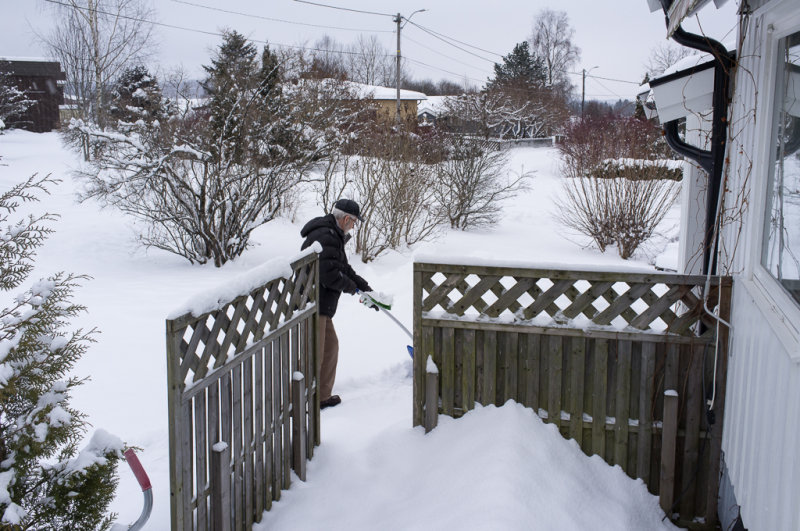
(348, 223)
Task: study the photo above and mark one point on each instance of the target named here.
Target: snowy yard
(496, 468)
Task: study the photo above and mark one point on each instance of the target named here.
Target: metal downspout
(713, 160)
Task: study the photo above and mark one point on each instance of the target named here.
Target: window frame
(770, 296)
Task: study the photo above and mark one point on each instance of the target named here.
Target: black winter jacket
(335, 273)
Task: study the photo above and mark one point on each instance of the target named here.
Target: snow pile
(495, 468)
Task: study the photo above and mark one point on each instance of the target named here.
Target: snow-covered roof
(26, 59)
(695, 60)
(433, 105)
(376, 92)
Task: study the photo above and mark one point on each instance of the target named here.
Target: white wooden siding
(761, 440)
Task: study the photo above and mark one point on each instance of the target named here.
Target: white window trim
(779, 308)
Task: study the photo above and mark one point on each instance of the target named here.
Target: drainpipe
(713, 160)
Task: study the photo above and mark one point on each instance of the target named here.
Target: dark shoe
(331, 401)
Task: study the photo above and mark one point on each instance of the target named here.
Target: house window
(781, 252)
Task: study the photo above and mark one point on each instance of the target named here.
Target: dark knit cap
(348, 206)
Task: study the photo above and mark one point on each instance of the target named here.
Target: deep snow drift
(496, 468)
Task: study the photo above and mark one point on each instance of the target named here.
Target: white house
(757, 216)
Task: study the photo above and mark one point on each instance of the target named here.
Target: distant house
(43, 82)
(385, 100)
(741, 217)
(430, 110)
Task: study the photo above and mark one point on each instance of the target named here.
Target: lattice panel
(619, 301)
(208, 341)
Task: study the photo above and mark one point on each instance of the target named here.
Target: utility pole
(583, 92)
(397, 118)
(397, 20)
(583, 88)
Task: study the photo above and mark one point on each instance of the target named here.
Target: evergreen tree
(137, 96)
(45, 483)
(232, 82)
(13, 101)
(519, 68)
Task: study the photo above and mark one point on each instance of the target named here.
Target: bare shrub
(622, 210)
(618, 186)
(472, 181)
(396, 192)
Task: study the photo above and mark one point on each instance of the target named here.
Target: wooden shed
(42, 81)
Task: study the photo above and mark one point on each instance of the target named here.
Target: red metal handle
(138, 469)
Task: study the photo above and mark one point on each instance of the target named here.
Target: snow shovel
(384, 307)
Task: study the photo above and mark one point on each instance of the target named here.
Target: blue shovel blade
(410, 351)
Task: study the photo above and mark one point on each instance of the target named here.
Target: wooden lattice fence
(243, 401)
(584, 349)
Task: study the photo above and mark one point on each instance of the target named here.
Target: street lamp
(398, 19)
(583, 88)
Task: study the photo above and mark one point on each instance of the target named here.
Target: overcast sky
(616, 36)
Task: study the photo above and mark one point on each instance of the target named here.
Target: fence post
(221, 487)
(299, 425)
(431, 395)
(669, 437)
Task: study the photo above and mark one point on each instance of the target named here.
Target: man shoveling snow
(335, 276)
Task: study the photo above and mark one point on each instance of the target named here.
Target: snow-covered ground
(496, 468)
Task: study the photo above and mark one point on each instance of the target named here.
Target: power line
(440, 69)
(345, 8)
(250, 15)
(204, 32)
(428, 30)
(434, 35)
(440, 53)
(605, 78)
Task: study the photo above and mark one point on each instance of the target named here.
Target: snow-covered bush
(619, 183)
(13, 101)
(472, 181)
(45, 482)
(203, 179)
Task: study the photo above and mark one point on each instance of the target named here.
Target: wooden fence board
(555, 358)
(448, 371)
(622, 403)
(510, 362)
(202, 448)
(489, 368)
(248, 446)
(646, 386)
(691, 440)
(237, 451)
(576, 376)
(258, 428)
(468, 372)
(269, 428)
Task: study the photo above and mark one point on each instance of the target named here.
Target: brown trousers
(328, 356)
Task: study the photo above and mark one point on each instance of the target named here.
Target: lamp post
(583, 88)
(398, 19)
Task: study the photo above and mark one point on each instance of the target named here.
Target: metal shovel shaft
(393, 318)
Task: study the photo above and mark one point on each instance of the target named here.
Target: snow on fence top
(215, 298)
(488, 262)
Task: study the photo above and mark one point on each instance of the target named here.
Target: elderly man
(335, 276)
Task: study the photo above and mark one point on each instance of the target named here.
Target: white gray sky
(615, 36)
